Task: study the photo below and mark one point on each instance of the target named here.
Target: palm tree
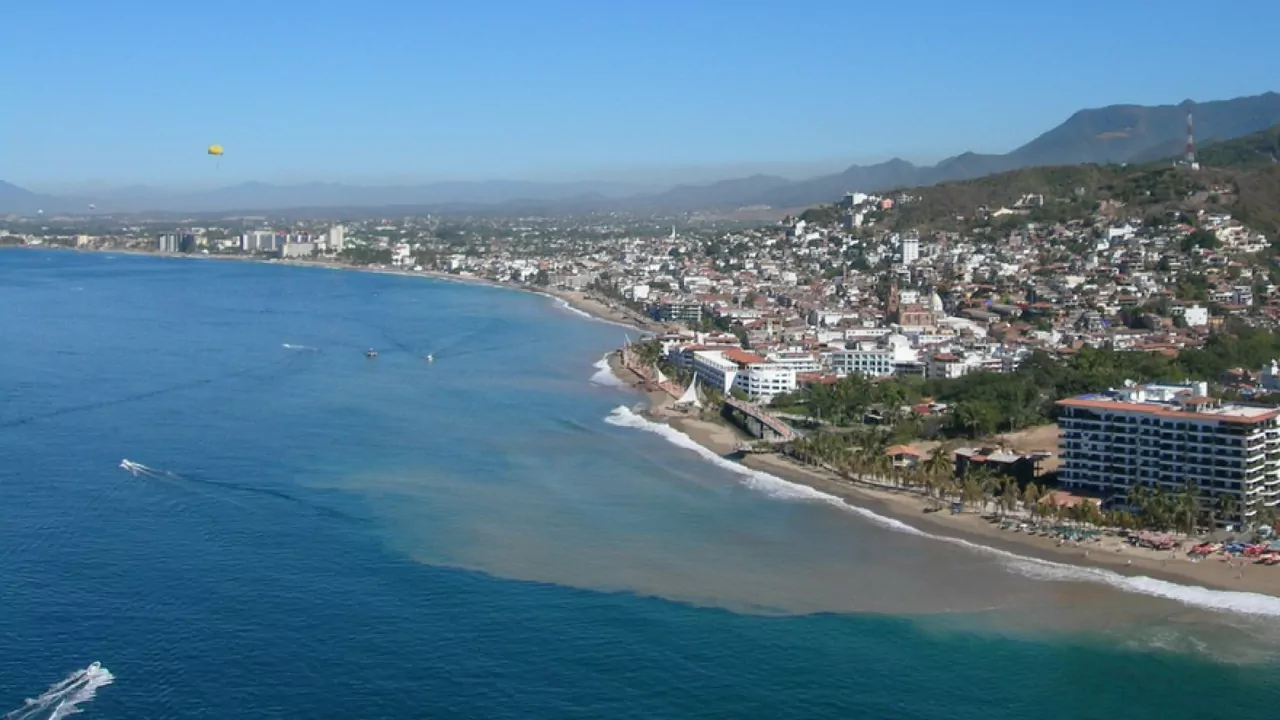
(1265, 515)
(1187, 505)
(941, 461)
(983, 480)
(1230, 508)
(1031, 498)
(1008, 497)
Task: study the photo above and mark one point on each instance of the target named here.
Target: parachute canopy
(215, 149)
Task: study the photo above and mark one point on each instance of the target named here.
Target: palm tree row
(979, 489)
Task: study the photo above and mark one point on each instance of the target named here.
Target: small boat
(371, 353)
(431, 358)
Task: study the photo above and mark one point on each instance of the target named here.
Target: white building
(1270, 376)
(1196, 316)
(800, 361)
(732, 368)
(297, 249)
(910, 250)
(1163, 436)
(337, 239)
(638, 292)
(867, 360)
(948, 366)
(714, 369)
(260, 241)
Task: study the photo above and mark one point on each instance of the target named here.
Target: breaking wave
(1046, 570)
(63, 698)
(604, 374)
(564, 304)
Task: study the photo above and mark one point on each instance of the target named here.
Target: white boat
(431, 358)
(371, 353)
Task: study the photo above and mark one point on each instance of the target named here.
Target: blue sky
(132, 91)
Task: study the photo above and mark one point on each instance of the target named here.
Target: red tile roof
(742, 357)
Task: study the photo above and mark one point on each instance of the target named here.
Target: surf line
(604, 374)
(62, 698)
(1196, 596)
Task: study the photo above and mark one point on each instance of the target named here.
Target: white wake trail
(1223, 600)
(63, 699)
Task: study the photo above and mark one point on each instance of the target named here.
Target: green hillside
(1252, 151)
(1239, 176)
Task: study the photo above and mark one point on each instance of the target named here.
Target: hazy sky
(132, 91)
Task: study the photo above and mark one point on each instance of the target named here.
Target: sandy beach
(909, 507)
(899, 504)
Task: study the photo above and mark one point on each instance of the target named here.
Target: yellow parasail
(215, 149)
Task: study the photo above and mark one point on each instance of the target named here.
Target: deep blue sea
(494, 534)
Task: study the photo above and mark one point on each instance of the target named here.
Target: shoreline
(595, 308)
(896, 505)
(908, 508)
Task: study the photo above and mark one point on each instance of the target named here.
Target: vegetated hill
(1115, 134)
(1239, 176)
(1123, 133)
(1257, 150)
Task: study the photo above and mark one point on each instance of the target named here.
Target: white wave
(564, 304)
(582, 313)
(1046, 570)
(291, 346)
(604, 374)
(63, 698)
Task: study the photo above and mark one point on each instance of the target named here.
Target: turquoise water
(492, 535)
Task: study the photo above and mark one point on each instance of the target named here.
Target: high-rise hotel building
(1165, 435)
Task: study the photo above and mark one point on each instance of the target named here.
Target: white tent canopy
(690, 396)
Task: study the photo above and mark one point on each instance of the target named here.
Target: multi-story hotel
(734, 368)
(1165, 435)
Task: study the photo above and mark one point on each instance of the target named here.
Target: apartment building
(1162, 436)
(677, 311)
(732, 368)
(867, 360)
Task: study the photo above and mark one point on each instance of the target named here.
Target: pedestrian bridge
(758, 422)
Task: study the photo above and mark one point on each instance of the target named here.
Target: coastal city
(876, 349)
(613, 360)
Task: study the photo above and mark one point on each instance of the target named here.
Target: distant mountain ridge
(1114, 134)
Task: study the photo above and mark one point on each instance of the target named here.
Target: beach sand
(902, 505)
(909, 507)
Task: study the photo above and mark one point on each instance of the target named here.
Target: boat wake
(604, 374)
(63, 698)
(301, 348)
(143, 471)
(1047, 570)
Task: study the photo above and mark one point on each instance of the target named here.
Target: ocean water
(491, 535)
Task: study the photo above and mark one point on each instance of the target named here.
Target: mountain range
(1114, 134)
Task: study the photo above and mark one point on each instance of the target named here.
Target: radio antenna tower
(1191, 142)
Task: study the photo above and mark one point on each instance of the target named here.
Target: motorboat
(371, 353)
(431, 358)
